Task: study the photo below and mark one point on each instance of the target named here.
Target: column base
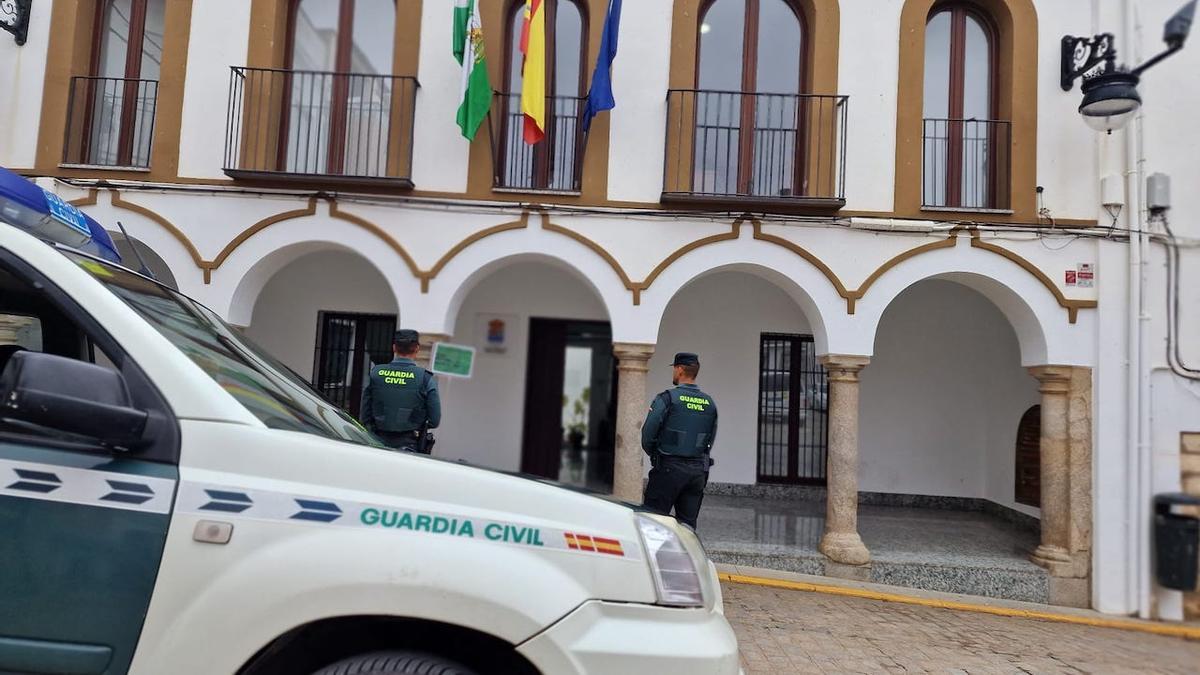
(1048, 556)
(846, 548)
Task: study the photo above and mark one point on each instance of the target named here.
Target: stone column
(1189, 464)
(632, 366)
(1054, 385)
(427, 342)
(841, 542)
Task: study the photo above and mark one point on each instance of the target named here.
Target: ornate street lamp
(14, 18)
(1110, 97)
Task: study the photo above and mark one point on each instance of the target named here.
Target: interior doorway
(570, 403)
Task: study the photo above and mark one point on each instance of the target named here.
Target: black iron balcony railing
(553, 165)
(110, 122)
(320, 126)
(729, 145)
(966, 164)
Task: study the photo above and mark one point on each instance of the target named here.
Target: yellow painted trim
(254, 229)
(165, 224)
(635, 287)
(429, 276)
(89, 200)
(379, 232)
(1072, 306)
(1172, 630)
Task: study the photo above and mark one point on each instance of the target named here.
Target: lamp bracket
(14, 18)
(1086, 57)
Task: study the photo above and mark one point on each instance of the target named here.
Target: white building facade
(880, 223)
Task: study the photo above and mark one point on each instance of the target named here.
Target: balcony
(966, 165)
(555, 165)
(110, 123)
(320, 127)
(728, 148)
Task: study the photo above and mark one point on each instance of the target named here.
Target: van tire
(395, 663)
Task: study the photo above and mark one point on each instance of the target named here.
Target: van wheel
(395, 663)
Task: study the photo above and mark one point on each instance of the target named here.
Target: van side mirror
(45, 392)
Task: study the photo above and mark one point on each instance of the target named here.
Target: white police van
(173, 501)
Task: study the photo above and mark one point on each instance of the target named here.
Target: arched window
(122, 91)
(748, 106)
(554, 163)
(340, 54)
(964, 143)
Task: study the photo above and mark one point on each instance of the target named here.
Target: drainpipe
(1139, 380)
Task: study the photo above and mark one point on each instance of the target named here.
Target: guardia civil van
(174, 502)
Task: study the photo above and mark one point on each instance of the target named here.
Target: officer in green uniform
(678, 435)
(401, 403)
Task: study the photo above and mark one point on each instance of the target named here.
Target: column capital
(1052, 379)
(633, 355)
(843, 367)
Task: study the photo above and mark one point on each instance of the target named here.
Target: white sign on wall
(1085, 275)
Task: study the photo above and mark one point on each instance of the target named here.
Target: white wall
(870, 78)
(721, 318)
(942, 397)
(285, 316)
(22, 77)
(219, 38)
(640, 77)
(440, 153)
(482, 417)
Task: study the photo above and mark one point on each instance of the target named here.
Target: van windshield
(267, 388)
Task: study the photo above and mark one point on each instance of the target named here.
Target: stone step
(1026, 583)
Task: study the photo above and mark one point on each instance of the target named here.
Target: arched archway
(1044, 332)
(832, 329)
(327, 313)
(943, 395)
(542, 397)
(238, 283)
(440, 307)
(939, 407)
(758, 354)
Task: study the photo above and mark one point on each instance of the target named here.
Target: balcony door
(965, 147)
(748, 108)
(339, 87)
(554, 163)
(119, 96)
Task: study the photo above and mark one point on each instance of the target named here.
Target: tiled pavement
(787, 631)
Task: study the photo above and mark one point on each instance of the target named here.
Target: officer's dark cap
(686, 359)
(406, 335)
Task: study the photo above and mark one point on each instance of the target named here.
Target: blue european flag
(600, 96)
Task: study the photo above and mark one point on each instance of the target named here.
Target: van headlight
(675, 568)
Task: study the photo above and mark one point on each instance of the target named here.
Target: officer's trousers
(677, 483)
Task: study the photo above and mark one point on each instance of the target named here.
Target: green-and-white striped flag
(468, 49)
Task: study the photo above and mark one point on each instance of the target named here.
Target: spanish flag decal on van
(583, 542)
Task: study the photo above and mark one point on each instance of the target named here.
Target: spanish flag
(533, 72)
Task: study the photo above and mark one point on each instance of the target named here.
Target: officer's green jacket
(681, 422)
(401, 396)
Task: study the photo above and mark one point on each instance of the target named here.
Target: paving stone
(784, 631)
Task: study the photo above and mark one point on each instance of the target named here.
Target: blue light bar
(47, 216)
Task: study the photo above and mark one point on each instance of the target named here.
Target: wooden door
(542, 438)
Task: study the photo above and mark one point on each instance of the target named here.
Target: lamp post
(1110, 97)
